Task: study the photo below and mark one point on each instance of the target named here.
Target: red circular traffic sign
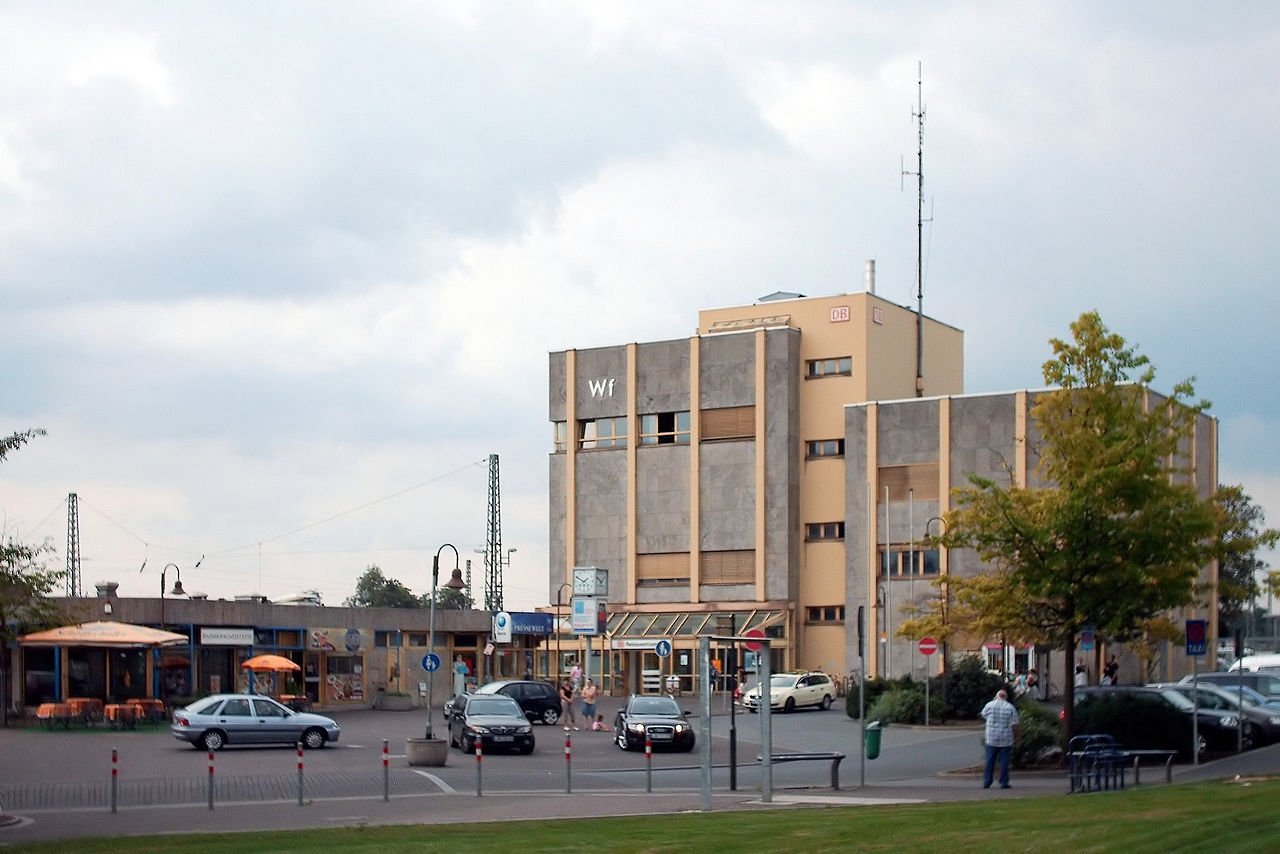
(928, 646)
(753, 645)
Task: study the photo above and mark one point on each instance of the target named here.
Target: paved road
(164, 785)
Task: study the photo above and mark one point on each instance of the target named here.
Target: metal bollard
(479, 762)
(386, 771)
(648, 763)
(115, 775)
(210, 779)
(568, 764)
(299, 773)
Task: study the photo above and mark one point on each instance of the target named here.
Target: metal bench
(830, 756)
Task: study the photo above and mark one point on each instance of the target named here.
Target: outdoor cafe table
(121, 714)
(150, 708)
(51, 713)
(85, 709)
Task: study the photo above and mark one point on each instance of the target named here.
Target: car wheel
(826, 702)
(1202, 744)
(314, 739)
(212, 740)
(464, 746)
(550, 716)
(621, 741)
(790, 705)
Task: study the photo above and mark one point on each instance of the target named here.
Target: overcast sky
(278, 277)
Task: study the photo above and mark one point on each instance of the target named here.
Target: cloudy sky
(278, 277)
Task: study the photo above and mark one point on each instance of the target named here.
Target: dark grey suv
(539, 700)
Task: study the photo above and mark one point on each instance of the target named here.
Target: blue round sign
(662, 648)
(431, 662)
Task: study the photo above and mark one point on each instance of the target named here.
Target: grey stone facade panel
(908, 433)
(601, 536)
(662, 499)
(728, 371)
(728, 499)
(662, 377)
(601, 390)
(556, 402)
(782, 461)
(983, 439)
(557, 501)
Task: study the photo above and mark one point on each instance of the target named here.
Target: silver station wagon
(222, 719)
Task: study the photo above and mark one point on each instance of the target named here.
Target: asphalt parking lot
(58, 782)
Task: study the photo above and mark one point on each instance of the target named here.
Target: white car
(790, 691)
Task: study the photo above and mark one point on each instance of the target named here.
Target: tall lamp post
(177, 587)
(559, 628)
(946, 600)
(455, 583)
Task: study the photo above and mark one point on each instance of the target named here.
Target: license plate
(504, 738)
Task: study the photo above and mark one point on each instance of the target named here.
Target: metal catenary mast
(493, 542)
(917, 113)
(73, 545)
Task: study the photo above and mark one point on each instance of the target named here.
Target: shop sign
(226, 637)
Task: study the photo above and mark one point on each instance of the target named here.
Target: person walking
(589, 694)
(566, 705)
(575, 675)
(1000, 734)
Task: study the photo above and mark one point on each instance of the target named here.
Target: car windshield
(654, 706)
(493, 706)
(784, 680)
(1177, 699)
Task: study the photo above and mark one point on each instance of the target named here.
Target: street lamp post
(177, 587)
(559, 628)
(455, 583)
(946, 600)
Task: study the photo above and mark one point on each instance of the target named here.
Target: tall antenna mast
(918, 115)
(73, 546)
(493, 542)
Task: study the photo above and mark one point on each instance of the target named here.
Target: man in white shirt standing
(1001, 732)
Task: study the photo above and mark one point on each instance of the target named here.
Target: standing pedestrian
(1082, 675)
(1000, 734)
(575, 676)
(589, 694)
(1111, 672)
(566, 705)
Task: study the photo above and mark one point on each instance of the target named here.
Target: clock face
(589, 582)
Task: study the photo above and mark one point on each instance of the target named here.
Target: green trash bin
(873, 739)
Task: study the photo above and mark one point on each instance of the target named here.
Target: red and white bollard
(648, 763)
(386, 770)
(115, 776)
(210, 779)
(479, 761)
(568, 764)
(299, 773)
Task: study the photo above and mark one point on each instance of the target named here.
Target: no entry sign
(928, 646)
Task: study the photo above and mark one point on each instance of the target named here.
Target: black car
(540, 700)
(1261, 725)
(492, 719)
(1216, 728)
(657, 718)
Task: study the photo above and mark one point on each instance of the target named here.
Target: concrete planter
(426, 751)
(395, 702)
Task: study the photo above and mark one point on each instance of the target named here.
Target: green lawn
(1221, 817)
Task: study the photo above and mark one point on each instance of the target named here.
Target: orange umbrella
(269, 663)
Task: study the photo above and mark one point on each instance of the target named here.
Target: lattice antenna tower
(493, 541)
(73, 545)
(917, 113)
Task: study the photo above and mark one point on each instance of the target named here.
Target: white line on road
(444, 787)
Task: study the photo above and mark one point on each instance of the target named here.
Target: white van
(1254, 663)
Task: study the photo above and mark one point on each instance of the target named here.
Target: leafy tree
(25, 585)
(1241, 535)
(1119, 535)
(375, 590)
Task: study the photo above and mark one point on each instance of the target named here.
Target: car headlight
(639, 728)
(680, 727)
(1274, 720)
(1230, 721)
(479, 729)
(524, 730)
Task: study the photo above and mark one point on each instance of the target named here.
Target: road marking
(444, 787)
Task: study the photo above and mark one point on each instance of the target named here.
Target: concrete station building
(776, 471)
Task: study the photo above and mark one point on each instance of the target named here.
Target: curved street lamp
(559, 631)
(177, 587)
(455, 583)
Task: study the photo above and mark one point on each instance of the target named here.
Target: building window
(662, 569)
(561, 438)
(817, 531)
(901, 562)
(838, 367)
(728, 567)
(733, 422)
(602, 433)
(386, 639)
(665, 428)
(919, 480)
(824, 448)
(824, 614)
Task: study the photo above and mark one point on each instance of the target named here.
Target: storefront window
(344, 681)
